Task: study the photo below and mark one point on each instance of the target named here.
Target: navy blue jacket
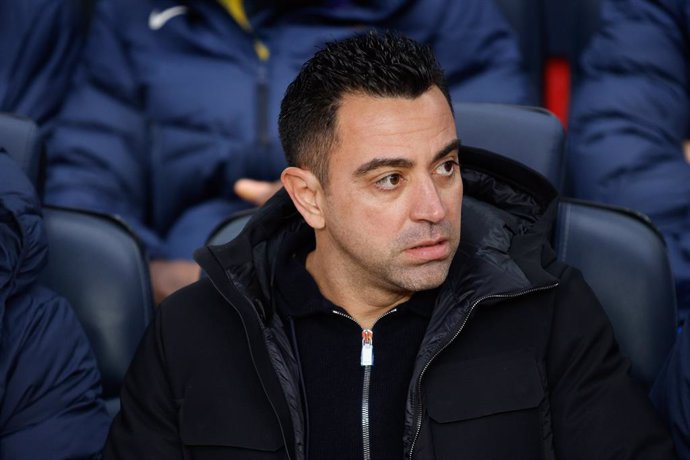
(50, 405)
(671, 393)
(173, 104)
(630, 115)
(40, 43)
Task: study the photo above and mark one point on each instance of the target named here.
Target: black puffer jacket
(518, 361)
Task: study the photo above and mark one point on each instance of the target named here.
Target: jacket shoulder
(196, 309)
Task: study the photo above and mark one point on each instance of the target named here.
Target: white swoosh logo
(157, 19)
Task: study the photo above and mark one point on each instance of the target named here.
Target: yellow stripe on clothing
(236, 10)
(238, 13)
(261, 50)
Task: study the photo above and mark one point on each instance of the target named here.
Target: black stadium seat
(623, 258)
(98, 265)
(530, 135)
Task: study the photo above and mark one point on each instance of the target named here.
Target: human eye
(389, 182)
(447, 168)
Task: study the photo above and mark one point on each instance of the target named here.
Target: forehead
(370, 127)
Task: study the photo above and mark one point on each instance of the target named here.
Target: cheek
(458, 206)
(373, 222)
(454, 207)
(350, 214)
(369, 207)
(453, 200)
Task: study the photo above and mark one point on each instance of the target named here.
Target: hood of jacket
(23, 246)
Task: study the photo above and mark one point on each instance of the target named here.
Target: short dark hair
(375, 64)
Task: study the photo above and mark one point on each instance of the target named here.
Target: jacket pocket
(487, 408)
(215, 425)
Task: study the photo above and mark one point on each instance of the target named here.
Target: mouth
(431, 250)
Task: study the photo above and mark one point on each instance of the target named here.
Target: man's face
(392, 204)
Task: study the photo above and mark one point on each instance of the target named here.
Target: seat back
(98, 265)
(230, 227)
(623, 258)
(530, 135)
(19, 137)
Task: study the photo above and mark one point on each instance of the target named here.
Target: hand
(686, 150)
(256, 191)
(167, 276)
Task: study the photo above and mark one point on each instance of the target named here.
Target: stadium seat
(98, 265)
(623, 258)
(530, 135)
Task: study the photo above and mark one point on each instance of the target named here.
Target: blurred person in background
(631, 118)
(40, 44)
(50, 406)
(171, 121)
(628, 146)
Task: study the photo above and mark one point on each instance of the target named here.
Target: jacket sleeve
(479, 53)
(97, 156)
(598, 411)
(146, 426)
(51, 407)
(630, 115)
(671, 392)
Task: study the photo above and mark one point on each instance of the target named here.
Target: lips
(430, 250)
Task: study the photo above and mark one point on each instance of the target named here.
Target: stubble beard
(414, 278)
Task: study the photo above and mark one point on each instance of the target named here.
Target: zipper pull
(367, 357)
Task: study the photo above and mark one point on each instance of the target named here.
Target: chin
(425, 279)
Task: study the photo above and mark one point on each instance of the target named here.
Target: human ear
(304, 190)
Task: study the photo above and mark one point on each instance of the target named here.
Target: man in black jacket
(350, 320)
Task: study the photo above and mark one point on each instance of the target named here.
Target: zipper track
(452, 339)
(345, 315)
(366, 435)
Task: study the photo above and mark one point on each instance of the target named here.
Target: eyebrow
(377, 163)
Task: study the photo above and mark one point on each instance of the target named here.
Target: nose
(427, 203)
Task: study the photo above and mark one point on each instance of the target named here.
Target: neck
(361, 299)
